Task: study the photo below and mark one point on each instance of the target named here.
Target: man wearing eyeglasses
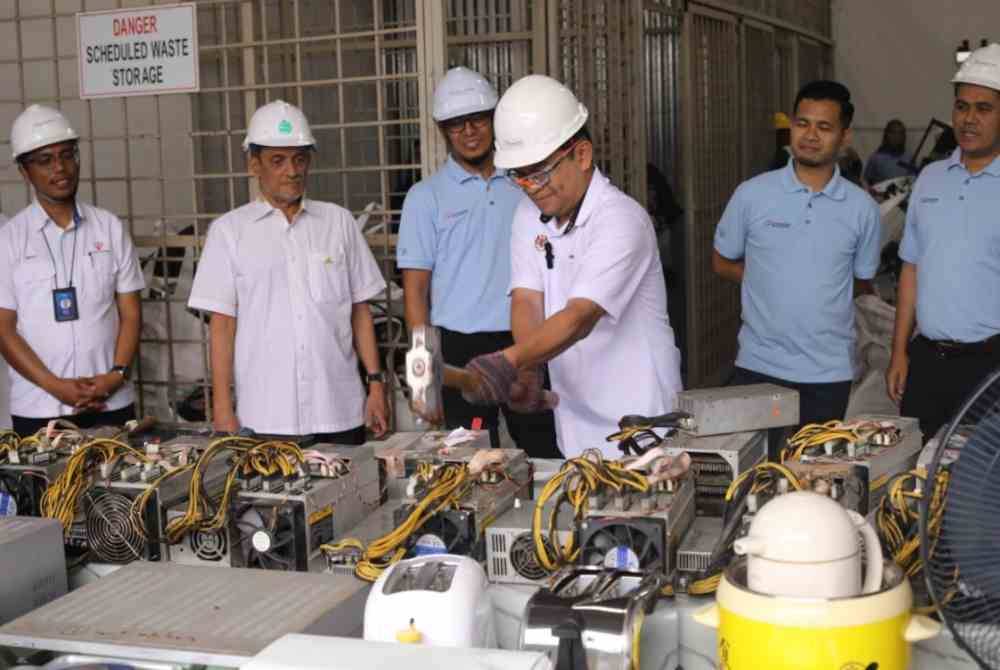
(587, 289)
(287, 280)
(454, 241)
(69, 290)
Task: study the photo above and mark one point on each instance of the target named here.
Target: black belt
(951, 348)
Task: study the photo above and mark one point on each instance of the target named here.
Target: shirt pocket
(327, 275)
(97, 277)
(33, 284)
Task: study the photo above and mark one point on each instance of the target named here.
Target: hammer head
(425, 373)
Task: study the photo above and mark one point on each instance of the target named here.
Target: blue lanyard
(72, 265)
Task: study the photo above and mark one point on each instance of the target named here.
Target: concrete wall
(897, 57)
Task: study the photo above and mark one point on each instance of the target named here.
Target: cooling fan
(959, 536)
(524, 559)
(265, 538)
(209, 545)
(634, 544)
(111, 535)
(447, 532)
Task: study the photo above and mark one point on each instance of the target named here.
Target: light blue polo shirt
(802, 251)
(952, 235)
(457, 225)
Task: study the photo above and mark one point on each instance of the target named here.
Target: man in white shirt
(587, 287)
(286, 279)
(69, 290)
(4, 376)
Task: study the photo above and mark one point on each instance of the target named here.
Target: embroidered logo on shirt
(540, 242)
(99, 246)
(778, 224)
(929, 200)
(454, 215)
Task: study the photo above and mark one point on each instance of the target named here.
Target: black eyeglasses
(478, 121)
(47, 160)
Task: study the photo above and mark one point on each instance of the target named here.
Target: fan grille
(208, 545)
(110, 533)
(958, 545)
(524, 560)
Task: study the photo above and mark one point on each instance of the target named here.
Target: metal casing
(863, 478)
(32, 564)
(318, 509)
(106, 528)
(482, 503)
(38, 475)
(606, 607)
(697, 550)
(734, 409)
(716, 460)
(670, 516)
(186, 614)
(510, 549)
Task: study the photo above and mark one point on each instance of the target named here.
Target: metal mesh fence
(743, 60)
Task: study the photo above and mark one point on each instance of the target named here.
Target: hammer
(426, 374)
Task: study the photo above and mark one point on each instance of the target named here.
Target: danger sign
(138, 51)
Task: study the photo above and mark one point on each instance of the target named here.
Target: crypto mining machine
(497, 478)
(277, 523)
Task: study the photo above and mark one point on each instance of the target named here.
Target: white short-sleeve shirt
(629, 364)
(5, 421)
(291, 288)
(36, 256)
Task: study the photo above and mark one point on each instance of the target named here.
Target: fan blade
(642, 554)
(285, 539)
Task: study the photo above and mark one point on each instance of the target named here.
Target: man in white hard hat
(69, 290)
(454, 242)
(949, 288)
(286, 280)
(587, 288)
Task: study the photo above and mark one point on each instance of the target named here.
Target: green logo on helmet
(285, 127)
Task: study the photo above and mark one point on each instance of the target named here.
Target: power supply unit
(716, 460)
(637, 532)
(32, 564)
(734, 409)
(23, 483)
(857, 477)
(701, 545)
(510, 546)
(186, 614)
(461, 529)
(280, 524)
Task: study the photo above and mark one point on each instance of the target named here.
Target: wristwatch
(375, 377)
(124, 370)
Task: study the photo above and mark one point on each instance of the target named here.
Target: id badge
(64, 304)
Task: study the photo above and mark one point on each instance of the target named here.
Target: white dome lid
(800, 527)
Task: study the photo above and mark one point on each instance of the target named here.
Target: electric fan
(960, 524)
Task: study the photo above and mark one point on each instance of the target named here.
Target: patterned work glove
(527, 395)
(495, 374)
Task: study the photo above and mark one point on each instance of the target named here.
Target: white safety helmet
(535, 117)
(39, 126)
(279, 124)
(981, 68)
(462, 92)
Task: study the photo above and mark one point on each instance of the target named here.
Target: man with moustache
(949, 287)
(69, 290)
(286, 280)
(587, 289)
(454, 251)
(796, 239)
